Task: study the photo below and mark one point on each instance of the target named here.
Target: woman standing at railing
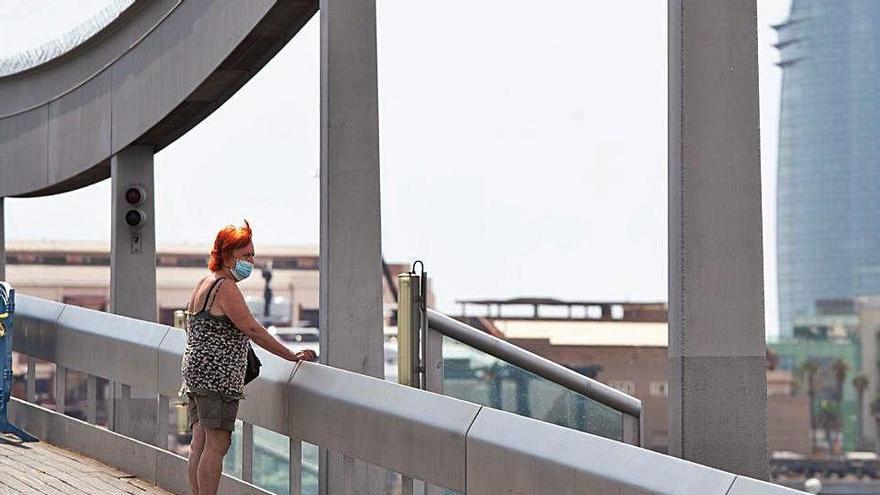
(216, 355)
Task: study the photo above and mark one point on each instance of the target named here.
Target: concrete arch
(145, 79)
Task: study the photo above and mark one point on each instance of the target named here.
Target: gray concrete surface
(869, 316)
(717, 360)
(150, 76)
(133, 279)
(133, 249)
(351, 236)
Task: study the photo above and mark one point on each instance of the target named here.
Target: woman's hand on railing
(306, 355)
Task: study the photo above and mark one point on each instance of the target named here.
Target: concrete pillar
(2, 240)
(350, 254)
(718, 384)
(869, 323)
(133, 276)
(132, 249)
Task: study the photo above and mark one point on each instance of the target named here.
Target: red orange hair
(228, 239)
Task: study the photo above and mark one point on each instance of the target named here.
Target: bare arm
(232, 303)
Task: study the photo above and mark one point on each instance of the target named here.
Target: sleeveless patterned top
(215, 358)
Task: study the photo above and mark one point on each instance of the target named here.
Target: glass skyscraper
(828, 214)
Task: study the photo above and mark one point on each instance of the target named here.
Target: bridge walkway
(42, 469)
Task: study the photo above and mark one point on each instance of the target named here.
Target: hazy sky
(523, 150)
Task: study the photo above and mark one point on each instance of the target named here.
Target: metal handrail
(538, 365)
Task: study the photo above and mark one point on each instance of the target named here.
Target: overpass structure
(103, 108)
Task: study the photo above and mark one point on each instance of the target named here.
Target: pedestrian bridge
(102, 109)
(413, 436)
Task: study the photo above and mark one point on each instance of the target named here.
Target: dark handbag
(252, 370)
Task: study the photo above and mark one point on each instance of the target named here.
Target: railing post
(123, 417)
(419, 353)
(295, 482)
(631, 429)
(92, 399)
(348, 475)
(247, 452)
(408, 322)
(162, 410)
(31, 379)
(60, 379)
(433, 361)
(406, 486)
(111, 405)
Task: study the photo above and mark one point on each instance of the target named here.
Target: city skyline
(558, 168)
(829, 205)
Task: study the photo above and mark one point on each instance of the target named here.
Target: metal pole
(408, 321)
(267, 292)
(422, 301)
(538, 365)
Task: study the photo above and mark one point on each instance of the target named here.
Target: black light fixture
(135, 196)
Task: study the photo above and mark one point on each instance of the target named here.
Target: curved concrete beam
(146, 79)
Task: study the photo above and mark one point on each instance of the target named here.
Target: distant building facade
(78, 273)
(828, 204)
(792, 354)
(624, 345)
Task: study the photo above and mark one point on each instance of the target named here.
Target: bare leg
(195, 453)
(211, 463)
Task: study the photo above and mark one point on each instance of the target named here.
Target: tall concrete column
(350, 253)
(133, 276)
(718, 384)
(132, 249)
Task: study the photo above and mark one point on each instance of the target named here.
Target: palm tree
(840, 368)
(772, 359)
(829, 419)
(860, 383)
(874, 408)
(809, 370)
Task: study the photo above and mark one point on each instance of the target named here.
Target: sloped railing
(419, 435)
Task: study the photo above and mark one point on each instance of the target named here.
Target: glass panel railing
(232, 461)
(272, 461)
(491, 371)
(475, 376)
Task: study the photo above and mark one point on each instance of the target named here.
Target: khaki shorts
(211, 411)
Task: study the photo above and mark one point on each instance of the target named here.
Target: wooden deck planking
(43, 469)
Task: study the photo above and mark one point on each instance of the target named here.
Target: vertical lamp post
(267, 292)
